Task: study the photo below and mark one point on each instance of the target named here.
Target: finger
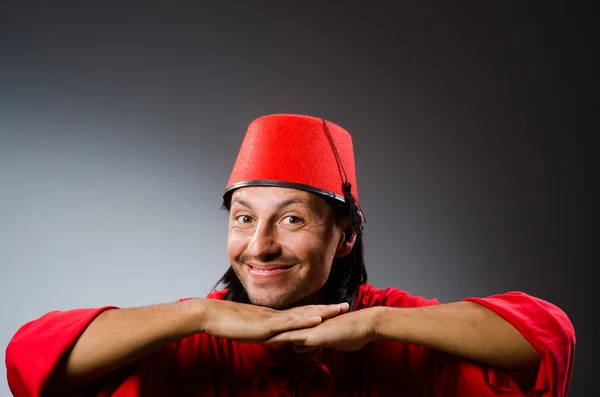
(301, 337)
(291, 321)
(333, 310)
(323, 311)
(296, 336)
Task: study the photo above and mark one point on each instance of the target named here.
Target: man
(296, 316)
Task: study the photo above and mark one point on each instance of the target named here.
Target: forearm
(465, 329)
(118, 337)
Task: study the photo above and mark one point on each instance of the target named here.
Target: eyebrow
(283, 204)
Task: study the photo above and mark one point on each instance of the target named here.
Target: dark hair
(347, 273)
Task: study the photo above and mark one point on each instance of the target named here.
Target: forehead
(272, 196)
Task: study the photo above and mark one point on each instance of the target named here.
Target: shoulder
(217, 294)
(369, 296)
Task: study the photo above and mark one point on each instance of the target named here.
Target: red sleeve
(549, 331)
(543, 324)
(35, 349)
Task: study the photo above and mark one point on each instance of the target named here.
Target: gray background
(119, 125)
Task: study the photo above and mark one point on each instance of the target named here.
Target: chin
(272, 300)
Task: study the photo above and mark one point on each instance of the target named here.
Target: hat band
(300, 186)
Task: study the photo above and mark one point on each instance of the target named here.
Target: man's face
(281, 243)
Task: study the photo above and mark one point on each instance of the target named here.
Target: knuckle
(289, 318)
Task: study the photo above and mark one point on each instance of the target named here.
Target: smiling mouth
(269, 267)
(265, 272)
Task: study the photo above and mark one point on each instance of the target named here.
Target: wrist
(382, 317)
(195, 314)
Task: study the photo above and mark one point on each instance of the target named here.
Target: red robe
(202, 365)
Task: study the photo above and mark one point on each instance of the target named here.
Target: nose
(263, 245)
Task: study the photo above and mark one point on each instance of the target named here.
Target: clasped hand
(306, 327)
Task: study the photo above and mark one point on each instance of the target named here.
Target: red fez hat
(296, 151)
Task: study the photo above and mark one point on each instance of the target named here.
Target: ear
(347, 239)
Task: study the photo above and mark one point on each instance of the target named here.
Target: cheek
(312, 249)
(235, 245)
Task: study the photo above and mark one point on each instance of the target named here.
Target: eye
(244, 218)
(292, 220)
